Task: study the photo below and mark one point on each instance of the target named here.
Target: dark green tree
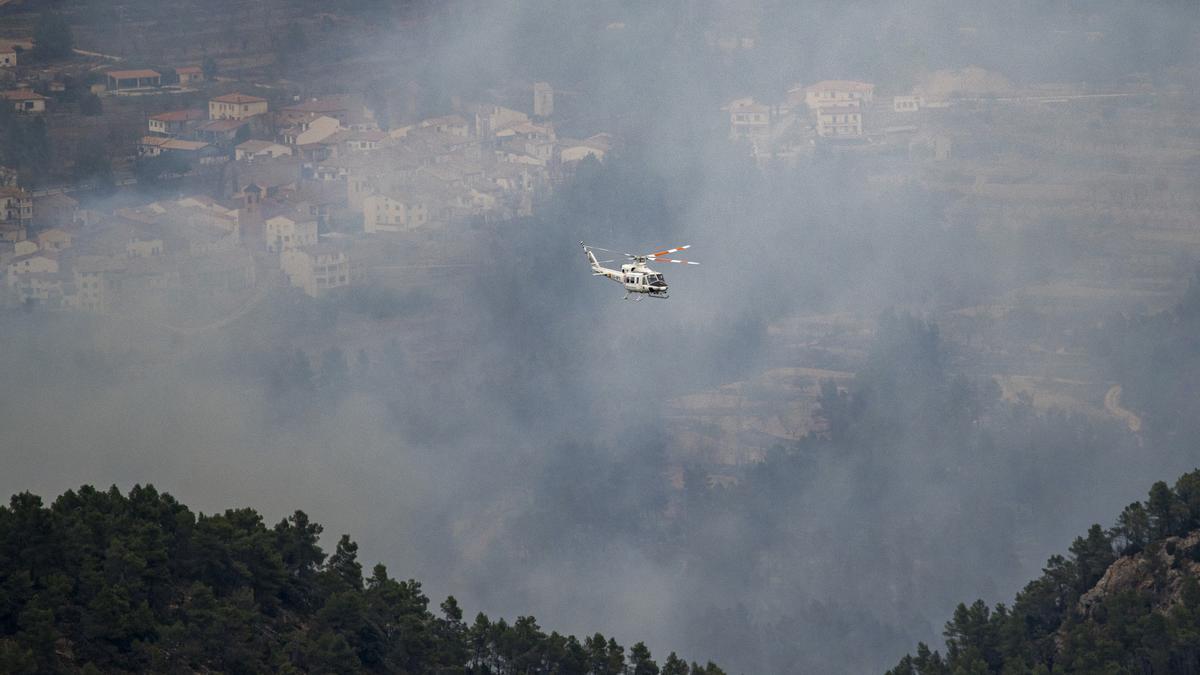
(24, 144)
(1092, 555)
(90, 105)
(104, 582)
(92, 166)
(1132, 531)
(343, 565)
(674, 665)
(640, 662)
(52, 38)
(1162, 508)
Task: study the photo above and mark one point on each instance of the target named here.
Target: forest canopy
(104, 582)
(1145, 617)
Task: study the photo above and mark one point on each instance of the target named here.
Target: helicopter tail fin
(590, 256)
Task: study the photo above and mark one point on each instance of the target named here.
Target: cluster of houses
(304, 190)
(489, 163)
(177, 250)
(22, 97)
(141, 255)
(294, 191)
(205, 136)
(830, 111)
(484, 162)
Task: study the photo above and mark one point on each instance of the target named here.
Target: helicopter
(638, 279)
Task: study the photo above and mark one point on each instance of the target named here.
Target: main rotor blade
(671, 250)
(670, 260)
(606, 250)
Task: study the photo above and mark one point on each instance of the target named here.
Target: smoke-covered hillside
(912, 362)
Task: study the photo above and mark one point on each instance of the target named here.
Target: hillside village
(847, 113)
(179, 186)
(195, 180)
(302, 186)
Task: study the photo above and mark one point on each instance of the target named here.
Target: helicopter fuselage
(636, 277)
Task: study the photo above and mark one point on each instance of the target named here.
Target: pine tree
(343, 565)
(674, 665)
(52, 38)
(640, 661)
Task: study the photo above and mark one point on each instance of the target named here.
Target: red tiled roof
(175, 144)
(180, 116)
(23, 95)
(238, 98)
(840, 85)
(131, 74)
(222, 125)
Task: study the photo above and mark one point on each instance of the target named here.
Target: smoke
(511, 434)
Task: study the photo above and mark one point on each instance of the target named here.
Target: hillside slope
(1125, 600)
(103, 582)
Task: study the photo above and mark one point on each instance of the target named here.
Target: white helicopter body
(637, 277)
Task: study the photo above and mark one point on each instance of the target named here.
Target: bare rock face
(1159, 574)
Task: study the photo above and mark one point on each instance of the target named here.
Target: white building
(134, 79)
(572, 151)
(16, 206)
(25, 247)
(254, 149)
(316, 269)
(749, 120)
(838, 93)
(31, 264)
(189, 74)
(174, 122)
(394, 213)
(491, 118)
(95, 281)
(236, 107)
(351, 141)
(153, 146)
(284, 233)
(843, 121)
(906, 103)
(144, 248)
(452, 125)
(53, 239)
(311, 131)
(25, 100)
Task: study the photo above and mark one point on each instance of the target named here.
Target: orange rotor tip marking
(672, 250)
